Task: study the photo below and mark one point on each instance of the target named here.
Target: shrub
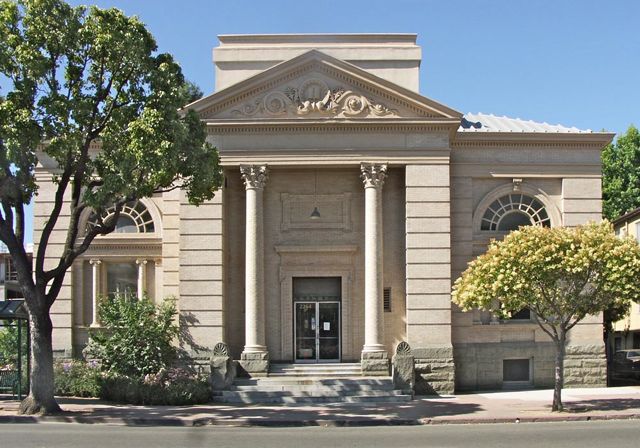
(77, 379)
(136, 338)
(167, 387)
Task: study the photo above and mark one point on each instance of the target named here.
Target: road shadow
(603, 404)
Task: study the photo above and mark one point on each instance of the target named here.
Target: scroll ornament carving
(373, 175)
(403, 349)
(221, 349)
(314, 97)
(254, 176)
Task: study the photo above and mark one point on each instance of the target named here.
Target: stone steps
(316, 370)
(313, 383)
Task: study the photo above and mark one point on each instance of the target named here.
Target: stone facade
(338, 172)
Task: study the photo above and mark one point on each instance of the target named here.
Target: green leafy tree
(137, 336)
(621, 175)
(80, 79)
(561, 274)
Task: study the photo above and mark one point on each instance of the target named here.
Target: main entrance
(317, 319)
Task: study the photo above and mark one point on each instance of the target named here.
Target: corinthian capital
(373, 174)
(254, 176)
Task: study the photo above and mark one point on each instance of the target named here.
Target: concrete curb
(247, 422)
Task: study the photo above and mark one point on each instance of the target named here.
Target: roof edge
(626, 217)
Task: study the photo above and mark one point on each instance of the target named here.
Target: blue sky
(571, 62)
(563, 61)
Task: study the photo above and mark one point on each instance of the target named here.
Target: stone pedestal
(254, 364)
(375, 363)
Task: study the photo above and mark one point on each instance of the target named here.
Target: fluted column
(254, 356)
(374, 356)
(142, 277)
(95, 291)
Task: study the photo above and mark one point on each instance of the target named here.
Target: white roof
(491, 123)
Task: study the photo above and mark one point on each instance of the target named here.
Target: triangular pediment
(315, 85)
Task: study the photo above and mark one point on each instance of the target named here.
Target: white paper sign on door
(327, 326)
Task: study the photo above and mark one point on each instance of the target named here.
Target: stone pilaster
(254, 357)
(374, 356)
(428, 258)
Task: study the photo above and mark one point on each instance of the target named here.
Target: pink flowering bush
(77, 378)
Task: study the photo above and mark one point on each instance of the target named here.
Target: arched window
(134, 218)
(513, 210)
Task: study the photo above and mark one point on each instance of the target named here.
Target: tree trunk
(559, 377)
(40, 399)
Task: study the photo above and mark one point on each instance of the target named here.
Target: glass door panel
(329, 331)
(306, 330)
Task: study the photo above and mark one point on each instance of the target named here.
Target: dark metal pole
(19, 323)
(28, 356)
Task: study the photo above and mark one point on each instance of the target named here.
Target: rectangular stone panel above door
(335, 211)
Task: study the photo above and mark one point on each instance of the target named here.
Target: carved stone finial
(254, 176)
(221, 349)
(373, 175)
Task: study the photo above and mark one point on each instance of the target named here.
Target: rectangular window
(387, 300)
(122, 278)
(516, 370)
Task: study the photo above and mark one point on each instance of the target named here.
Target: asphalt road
(562, 434)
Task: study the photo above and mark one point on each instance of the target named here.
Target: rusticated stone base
(434, 371)
(254, 364)
(585, 366)
(375, 363)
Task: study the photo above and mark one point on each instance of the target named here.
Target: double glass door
(317, 331)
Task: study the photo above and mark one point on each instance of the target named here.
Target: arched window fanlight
(134, 218)
(513, 210)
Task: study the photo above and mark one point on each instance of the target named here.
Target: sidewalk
(485, 407)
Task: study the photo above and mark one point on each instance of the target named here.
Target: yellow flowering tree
(561, 274)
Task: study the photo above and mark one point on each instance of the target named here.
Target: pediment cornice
(315, 85)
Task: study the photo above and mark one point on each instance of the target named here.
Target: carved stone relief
(314, 97)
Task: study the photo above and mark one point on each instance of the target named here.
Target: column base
(254, 363)
(374, 363)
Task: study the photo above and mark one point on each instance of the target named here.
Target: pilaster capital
(95, 262)
(254, 176)
(373, 174)
(141, 262)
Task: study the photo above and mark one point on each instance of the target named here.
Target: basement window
(387, 300)
(516, 372)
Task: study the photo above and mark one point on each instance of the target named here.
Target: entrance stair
(313, 383)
